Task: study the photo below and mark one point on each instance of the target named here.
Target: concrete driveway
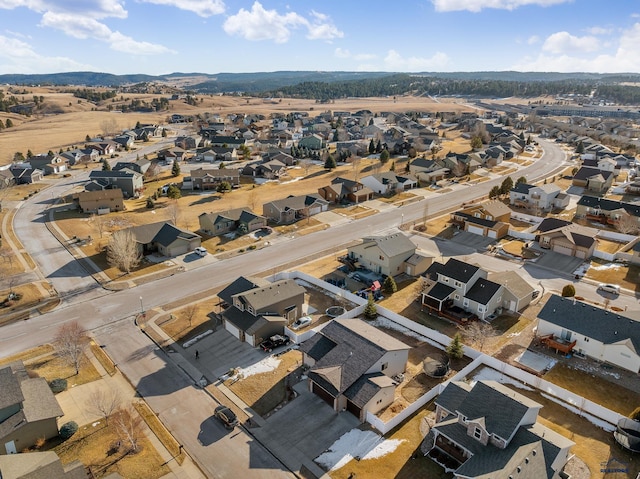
(304, 429)
(559, 262)
(221, 351)
(472, 240)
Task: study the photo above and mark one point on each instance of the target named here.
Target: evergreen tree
(175, 169)
(521, 135)
(173, 192)
(384, 156)
(105, 165)
(393, 166)
(87, 138)
(336, 136)
(389, 286)
(164, 133)
(506, 186)
(529, 140)
(495, 192)
(370, 310)
(522, 179)
(407, 168)
(378, 147)
(223, 187)
(455, 349)
(8, 123)
(580, 148)
(476, 142)
(330, 164)
(29, 154)
(372, 147)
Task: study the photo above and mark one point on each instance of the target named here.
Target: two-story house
(593, 179)
(352, 364)
(543, 197)
(389, 255)
(257, 312)
(222, 222)
(49, 164)
(607, 211)
(28, 409)
(460, 285)
(343, 190)
(489, 430)
(99, 201)
(490, 219)
(129, 181)
(294, 208)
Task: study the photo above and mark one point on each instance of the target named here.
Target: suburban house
(343, 190)
(40, 465)
(352, 366)
(48, 164)
(99, 201)
(270, 169)
(593, 179)
(219, 153)
(28, 409)
(605, 163)
(566, 238)
(390, 255)
(140, 166)
(186, 142)
(427, 170)
(311, 142)
(26, 176)
(258, 311)
(294, 208)
(457, 290)
(165, 238)
(104, 147)
(517, 293)
(543, 197)
(6, 178)
(87, 155)
(129, 181)
(606, 211)
(603, 335)
(209, 179)
(488, 430)
(389, 183)
(490, 219)
(218, 223)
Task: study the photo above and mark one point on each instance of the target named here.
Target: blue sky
(212, 36)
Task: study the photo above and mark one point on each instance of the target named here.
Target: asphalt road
(186, 410)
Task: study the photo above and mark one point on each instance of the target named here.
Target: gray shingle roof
(240, 285)
(440, 291)
(609, 205)
(549, 224)
(459, 270)
(482, 291)
(263, 297)
(162, 232)
(596, 323)
(10, 392)
(586, 172)
(453, 395)
(365, 388)
(391, 245)
(39, 402)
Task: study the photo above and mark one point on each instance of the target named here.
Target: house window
(381, 258)
(445, 280)
(477, 433)
(465, 302)
(458, 284)
(457, 296)
(481, 308)
(384, 366)
(250, 309)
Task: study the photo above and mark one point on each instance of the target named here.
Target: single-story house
(293, 208)
(218, 223)
(593, 179)
(571, 239)
(165, 238)
(600, 334)
(389, 183)
(352, 365)
(343, 190)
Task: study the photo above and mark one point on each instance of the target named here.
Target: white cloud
(84, 27)
(261, 24)
(343, 53)
(17, 56)
(533, 40)
(203, 8)
(564, 42)
(91, 8)
(478, 5)
(599, 30)
(625, 58)
(395, 62)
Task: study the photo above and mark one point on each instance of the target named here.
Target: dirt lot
(627, 277)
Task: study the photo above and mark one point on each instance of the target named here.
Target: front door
(10, 447)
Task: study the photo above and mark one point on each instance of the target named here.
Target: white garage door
(179, 249)
(475, 230)
(492, 234)
(232, 329)
(581, 254)
(563, 250)
(315, 211)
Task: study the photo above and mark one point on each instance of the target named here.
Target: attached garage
(581, 254)
(354, 409)
(233, 330)
(492, 234)
(475, 230)
(563, 249)
(324, 395)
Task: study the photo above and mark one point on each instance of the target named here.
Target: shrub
(68, 429)
(58, 385)
(635, 415)
(569, 291)
(252, 247)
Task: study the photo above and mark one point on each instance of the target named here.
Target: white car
(301, 322)
(200, 251)
(610, 288)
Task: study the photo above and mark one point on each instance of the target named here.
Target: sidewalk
(74, 404)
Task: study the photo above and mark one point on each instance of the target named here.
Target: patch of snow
(606, 266)
(230, 235)
(94, 424)
(291, 181)
(266, 365)
(493, 375)
(197, 338)
(383, 322)
(514, 335)
(356, 444)
(592, 419)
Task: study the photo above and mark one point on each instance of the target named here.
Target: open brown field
(51, 131)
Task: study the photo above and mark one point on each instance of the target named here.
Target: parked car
(274, 342)
(200, 251)
(535, 294)
(301, 322)
(609, 288)
(226, 416)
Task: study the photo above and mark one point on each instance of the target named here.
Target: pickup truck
(273, 342)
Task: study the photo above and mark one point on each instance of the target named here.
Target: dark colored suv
(226, 416)
(273, 342)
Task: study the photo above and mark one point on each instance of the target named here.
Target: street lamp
(141, 307)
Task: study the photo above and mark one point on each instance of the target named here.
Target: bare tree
(99, 223)
(252, 199)
(104, 402)
(153, 171)
(627, 224)
(190, 312)
(128, 426)
(70, 341)
(109, 127)
(174, 211)
(478, 333)
(122, 251)
(306, 165)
